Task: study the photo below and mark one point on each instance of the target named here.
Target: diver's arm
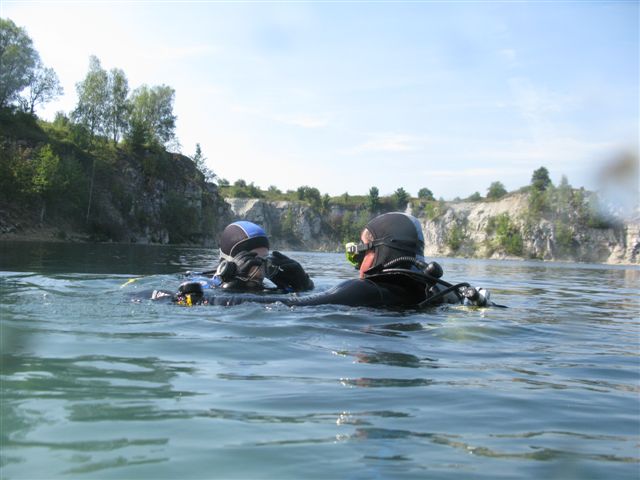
(356, 293)
(353, 293)
(287, 274)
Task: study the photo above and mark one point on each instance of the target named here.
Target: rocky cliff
(57, 183)
(545, 239)
(175, 206)
(498, 229)
(291, 225)
(112, 194)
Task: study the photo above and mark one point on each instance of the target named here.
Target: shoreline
(50, 235)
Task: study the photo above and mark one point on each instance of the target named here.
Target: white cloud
(474, 172)
(304, 121)
(510, 55)
(388, 142)
(295, 119)
(537, 104)
(178, 53)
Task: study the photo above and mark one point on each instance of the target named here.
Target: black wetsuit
(390, 290)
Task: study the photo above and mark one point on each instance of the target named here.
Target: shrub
(455, 238)
(496, 190)
(564, 238)
(508, 236)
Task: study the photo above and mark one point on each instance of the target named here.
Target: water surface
(96, 386)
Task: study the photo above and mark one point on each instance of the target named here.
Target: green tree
(93, 99)
(43, 87)
(508, 236)
(455, 238)
(373, 199)
(136, 136)
(18, 58)
(326, 202)
(496, 190)
(426, 194)
(540, 179)
(564, 196)
(254, 191)
(47, 178)
(201, 164)
(240, 183)
(400, 198)
(474, 197)
(118, 108)
(152, 110)
(92, 110)
(311, 195)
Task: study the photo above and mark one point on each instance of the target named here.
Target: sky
(343, 96)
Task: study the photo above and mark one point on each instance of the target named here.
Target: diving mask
(355, 252)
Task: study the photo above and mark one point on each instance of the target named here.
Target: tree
(43, 86)
(48, 179)
(374, 199)
(426, 194)
(240, 183)
(136, 135)
(311, 195)
(254, 191)
(326, 202)
(507, 233)
(564, 191)
(496, 190)
(474, 197)
(201, 164)
(152, 110)
(400, 198)
(118, 109)
(18, 58)
(540, 180)
(93, 99)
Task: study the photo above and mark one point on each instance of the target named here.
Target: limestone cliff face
(175, 208)
(498, 229)
(545, 239)
(290, 225)
(149, 198)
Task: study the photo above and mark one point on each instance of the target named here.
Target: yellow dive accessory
(185, 301)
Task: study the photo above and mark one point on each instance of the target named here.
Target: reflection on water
(95, 386)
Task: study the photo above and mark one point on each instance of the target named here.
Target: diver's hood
(398, 236)
(240, 237)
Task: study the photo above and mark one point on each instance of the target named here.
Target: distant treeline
(56, 165)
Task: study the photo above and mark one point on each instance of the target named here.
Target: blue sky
(347, 95)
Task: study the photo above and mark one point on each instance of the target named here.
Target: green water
(96, 386)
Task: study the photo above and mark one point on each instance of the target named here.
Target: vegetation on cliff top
(72, 172)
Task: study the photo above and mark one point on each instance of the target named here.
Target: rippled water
(95, 386)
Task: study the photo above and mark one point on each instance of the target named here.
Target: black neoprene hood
(400, 235)
(242, 236)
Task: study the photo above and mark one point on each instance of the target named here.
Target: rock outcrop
(489, 229)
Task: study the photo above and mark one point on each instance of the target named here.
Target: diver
(245, 262)
(393, 273)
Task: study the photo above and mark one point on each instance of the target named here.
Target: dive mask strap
(226, 257)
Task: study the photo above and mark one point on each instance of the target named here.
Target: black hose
(440, 295)
(420, 275)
